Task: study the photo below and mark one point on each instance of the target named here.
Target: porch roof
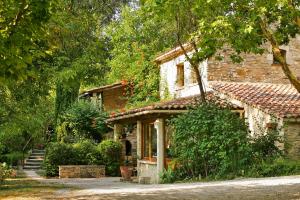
(167, 108)
(281, 100)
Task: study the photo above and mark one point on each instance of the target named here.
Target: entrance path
(277, 188)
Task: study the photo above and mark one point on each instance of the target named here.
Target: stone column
(159, 125)
(139, 140)
(117, 131)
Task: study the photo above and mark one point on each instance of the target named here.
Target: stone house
(257, 89)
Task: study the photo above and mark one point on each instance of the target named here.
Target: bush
(86, 153)
(13, 158)
(168, 176)
(82, 121)
(58, 154)
(217, 142)
(279, 167)
(5, 171)
(111, 153)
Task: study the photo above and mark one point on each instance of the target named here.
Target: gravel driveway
(284, 188)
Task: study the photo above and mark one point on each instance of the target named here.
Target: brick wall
(81, 171)
(255, 68)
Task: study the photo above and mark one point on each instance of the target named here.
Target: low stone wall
(81, 171)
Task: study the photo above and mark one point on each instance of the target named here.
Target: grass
(22, 188)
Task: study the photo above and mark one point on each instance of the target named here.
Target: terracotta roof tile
(175, 104)
(281, 100)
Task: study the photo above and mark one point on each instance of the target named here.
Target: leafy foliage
(209, 141)
(22, 37)
(82, 120)
(135, 39)
(5, 171)
(111, 154)
(84, 152)
(212, 142)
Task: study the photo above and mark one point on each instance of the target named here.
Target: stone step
(32, 163)
(38, 150)
(37, 154)
(36, 157)
(31, 167)
(35, 160)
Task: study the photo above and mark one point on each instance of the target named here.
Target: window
(283, 52)
(180, 75)
(149, 142)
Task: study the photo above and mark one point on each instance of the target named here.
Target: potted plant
(126, 170)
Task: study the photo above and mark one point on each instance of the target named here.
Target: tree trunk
(277, 53)
(199, 81)
(285, 67)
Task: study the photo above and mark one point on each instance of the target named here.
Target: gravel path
(247, 189)
(277, 188)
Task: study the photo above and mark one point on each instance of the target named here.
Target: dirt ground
(278, 188)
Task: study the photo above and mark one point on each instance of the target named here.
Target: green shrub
(279, 167)
(13, 158)
(82, 121)
(5, 171)
(168, 176)
(58, 154)
(111, 153)
(217, 142)
(86, 153)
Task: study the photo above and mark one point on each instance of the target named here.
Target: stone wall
(146, 170)
(114, 99)
(255, 67)
(292, 139)
(81, 171)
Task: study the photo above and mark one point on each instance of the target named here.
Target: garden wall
(81, 171)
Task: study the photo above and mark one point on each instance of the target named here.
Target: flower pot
(126, 172)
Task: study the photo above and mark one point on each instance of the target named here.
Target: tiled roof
(281, 100)
(176, 104)
(103, 88)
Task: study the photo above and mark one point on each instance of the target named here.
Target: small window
(180, 75)
(283, 52)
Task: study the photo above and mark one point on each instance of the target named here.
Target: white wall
(168, 76)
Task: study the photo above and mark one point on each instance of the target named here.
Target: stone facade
(81, 171)
(255, 67)
(131, 138)
(292, 139)
(114, 99)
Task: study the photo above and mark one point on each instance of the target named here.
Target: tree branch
(278, 55)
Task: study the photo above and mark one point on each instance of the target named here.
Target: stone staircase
(35, 160)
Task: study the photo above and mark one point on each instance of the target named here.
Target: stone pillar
(139, 140)
(159, 126)
(117, 131)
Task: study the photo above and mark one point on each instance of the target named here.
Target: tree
(245, 26)
(136, 38)
(185, 21)
(80, 56)
(22, 34)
